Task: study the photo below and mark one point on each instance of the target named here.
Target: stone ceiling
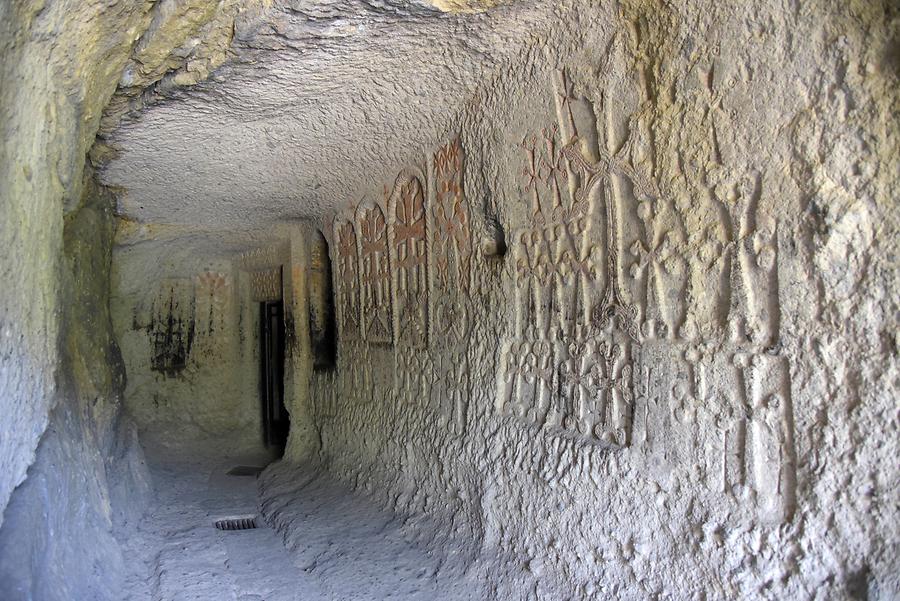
(315, 104)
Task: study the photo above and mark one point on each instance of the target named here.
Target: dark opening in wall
(494, 244)
(276, 419)
(322, 329)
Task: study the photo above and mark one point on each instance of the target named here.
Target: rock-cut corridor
(341, 546)
(488, 300)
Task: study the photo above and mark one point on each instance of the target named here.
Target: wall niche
(322, 327)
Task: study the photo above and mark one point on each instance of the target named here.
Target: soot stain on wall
(171, 330)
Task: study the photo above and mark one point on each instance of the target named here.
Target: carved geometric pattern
(265, 257)
(265, 285)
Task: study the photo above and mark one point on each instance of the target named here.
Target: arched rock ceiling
(318, 101)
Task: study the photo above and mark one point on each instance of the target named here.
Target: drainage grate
(245, 470)
(236, 523)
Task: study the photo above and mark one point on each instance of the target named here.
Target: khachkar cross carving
(616, 399)
(660, 265)
(452, 244)
(570, 299)
(578, 376)
(602, 173)
(595, 384)
(347, 284)
(545, 167)
(376, 276)
(212, 293)
(409, 244)
(597, 390)
(587, 388)
(555, 258)
(450, 256)
(526, 380)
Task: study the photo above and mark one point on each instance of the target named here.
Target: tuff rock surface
(614, 285)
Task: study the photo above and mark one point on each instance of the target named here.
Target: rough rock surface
(318, 98)
(615, 284)
(346, 547)
(55, 82)
(658, 360)
(176, 552)
(61, 377)
(88, 482)
(338, 545)
(680, 380)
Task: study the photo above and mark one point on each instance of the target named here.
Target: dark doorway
(275, 418)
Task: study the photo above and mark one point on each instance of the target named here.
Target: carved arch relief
(347, 281)
(451, 271)
(452, 240)
(407, 210)
(375, 275)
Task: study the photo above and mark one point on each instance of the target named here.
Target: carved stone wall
(652, 392)
(180, 330)
(409, 245)
(265, 285)
(374, 275)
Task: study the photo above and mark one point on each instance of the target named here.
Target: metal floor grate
(247, 523)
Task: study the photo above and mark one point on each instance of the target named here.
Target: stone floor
(337, 545)
(185, 557)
